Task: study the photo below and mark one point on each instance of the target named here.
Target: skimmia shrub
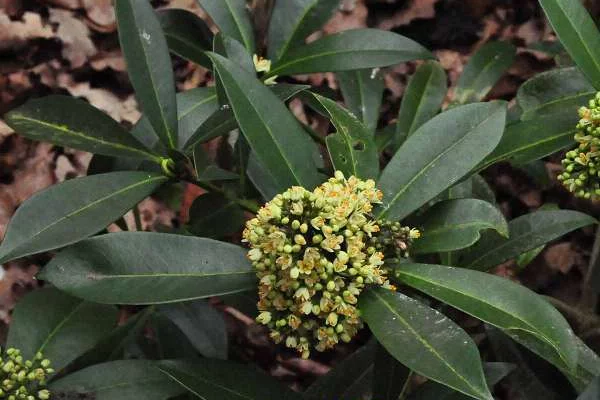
(360, 230)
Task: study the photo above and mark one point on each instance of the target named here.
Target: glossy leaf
(425, 341)
(486, 66)
(212, 215)
(149, 65)
(293, 20)
(187, 35)
(363, 93)
(577, 33)
(350, 50)
(422, 99)
(194, 108)
(70, 122)
(223, 380)
(146, 268)
(73, 210)
(275, 136)
(443, 150)
(351, 148)
(497, 301)
(234, 51)
(232, 18)
(59, 326)
(118, 380)
(456, 224)
(525, 233)
(391, 379)
(207, 171)
(262, 179)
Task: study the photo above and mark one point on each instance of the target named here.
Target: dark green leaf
(391, 379)
(497, 301)
(207, 171)
(234, 51)
(441, 151)
(169, 342)
(484, 69)
(275, 136)
(262, 179)
(118, 380)
(145, 268)
(293, 20)
(425, 341)
(456, 224)
(232, 18)
(212, 215)
(59, 326)
(525, 233)
(349, 50)
(592, 392)
(223, 380)
(578, 34)
(70, 122)
(422, 99)
(363, 93)
(194, 107)
(187, 35)
(149, 66)
(74, 210)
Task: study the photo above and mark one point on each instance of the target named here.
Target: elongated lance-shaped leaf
(443, 151)
(351, 148)
(149, 65)
(233, 19)
(525, 233)
(187, 35)
(497, 301)
(350, 50)
(194, 107)
(456, 224)
(483, 71)
(70, 122)
(149, 268)
(73, 210)
(212, 215)
(421, 101)
(391, 379)
(275, 136)
(425, 340)
(293, 20)
(59, 326)
(363, 92)
(225, 380)
(578, 34)
(118, 380)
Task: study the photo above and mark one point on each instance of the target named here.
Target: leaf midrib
(209, 382)
(295, 29)
(57, 328)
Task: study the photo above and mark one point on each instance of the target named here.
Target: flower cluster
(582, 166)
(314, 253)
(24, 379)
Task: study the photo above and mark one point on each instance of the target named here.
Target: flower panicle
(24, 379)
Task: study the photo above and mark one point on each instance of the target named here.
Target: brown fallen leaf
(15, 34)
(75, 36)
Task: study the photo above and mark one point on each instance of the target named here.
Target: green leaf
(350, 50)
(410, 331)
(422, 99)
(348, 380)
(232, 18)
(559, 91)
(456, 224)
(187, 35)
(207, 171)
(118, 380)
(149, 65)
(578, 34)
(497, 301)
(277, 138)
(351, 148)
(202, 324)
(525, 233)
(262, 179)
(442, 151)
(212, 215)
(147, 268)
(363, 92)
(223, 380)
(484, 69)
(592, 392)
(70, 122)
(293, 20)
(391, 379)
(73, 210)
(59, 326)
(234, 51)
(194, 108)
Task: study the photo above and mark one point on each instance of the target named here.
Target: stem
(403, 393)
(246, 204)
(589, 294)
(137, 218)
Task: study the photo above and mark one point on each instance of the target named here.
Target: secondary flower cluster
(582, 166)
(314, 253)
(23, 379)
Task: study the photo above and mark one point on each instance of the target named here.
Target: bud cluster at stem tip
(581, 173)
(314, 253)
(23, 379)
